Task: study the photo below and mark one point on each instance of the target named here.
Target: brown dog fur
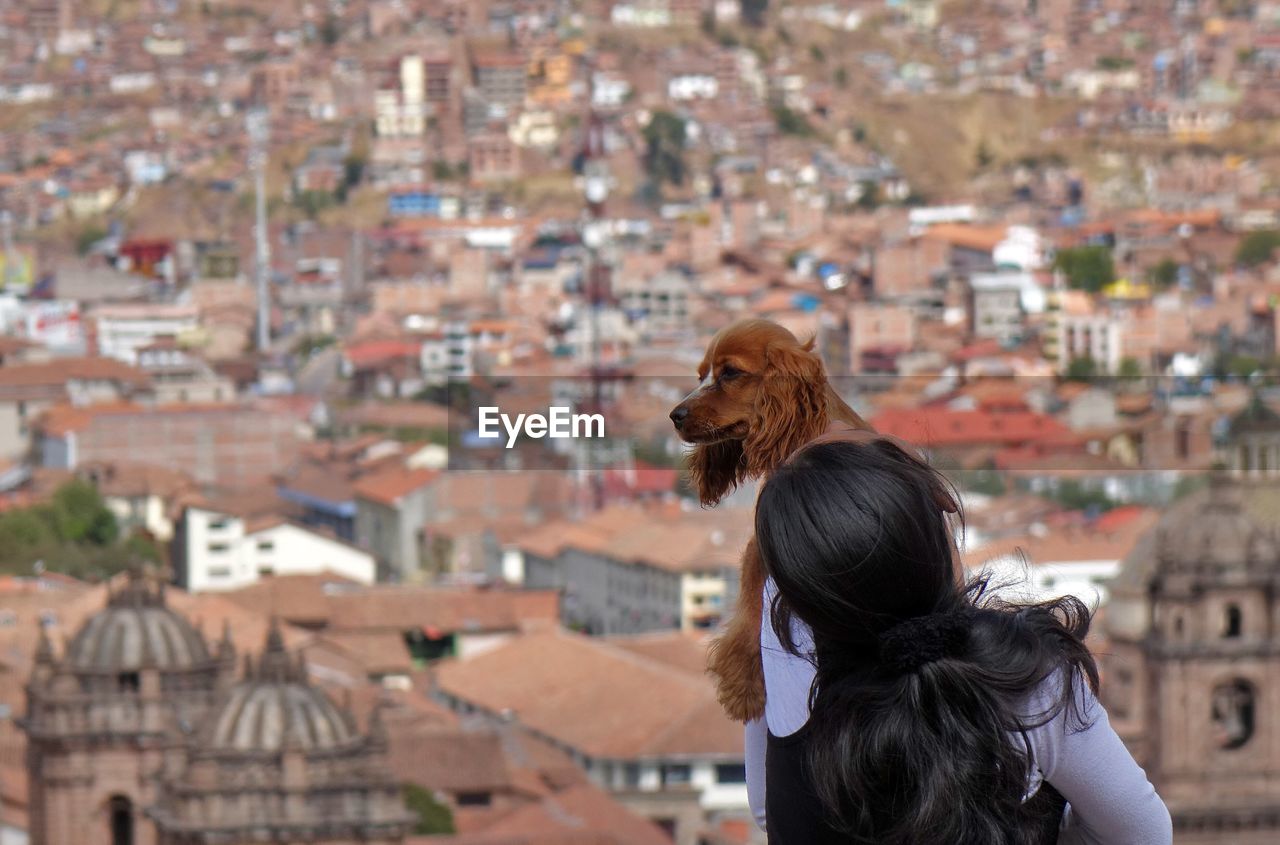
(763, 394)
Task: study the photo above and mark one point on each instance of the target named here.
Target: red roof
(374, 352)
(388, 487)
(1117, 518)
(643, 479)
(966, 428)
(977, 349)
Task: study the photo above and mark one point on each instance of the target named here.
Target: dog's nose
(678, 415)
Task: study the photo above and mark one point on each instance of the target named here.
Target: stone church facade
(142, 734)
(1192, 662)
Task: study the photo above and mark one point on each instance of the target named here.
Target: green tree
(331, 30)
(1086, 267)
(80, 516)
(1241, 366)
(1114, 63)
(22, 534)
(983, 157)
(1130, 368)
(842, 81)
(139, 547)
(754, 11)
(352, 173)
(1164, 274)
(87, 237)
(987, 482)
(869, 198)
(1075, 496)
(313, 202)
(791, 122)
(664, 155)
(1257, 247)
(433, 816)
(1082, 369)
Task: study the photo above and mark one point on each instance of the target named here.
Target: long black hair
(918, 721)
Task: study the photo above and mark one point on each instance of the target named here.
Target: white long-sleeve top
(1110, 801)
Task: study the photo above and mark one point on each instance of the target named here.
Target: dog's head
(761, 394)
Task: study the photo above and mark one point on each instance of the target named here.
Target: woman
(905, 708)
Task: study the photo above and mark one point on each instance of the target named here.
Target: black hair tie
(920, 640)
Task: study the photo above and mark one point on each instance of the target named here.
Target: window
(219, 572)
(266, 571)
(121, 810)
(218, 548)
(128, 682)
(474, 799)
(266, 546)
(676, 774)
(631, 775)
(1233, 714)
(1232, 622)
(731, 773)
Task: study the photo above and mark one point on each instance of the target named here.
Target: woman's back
(904, 707)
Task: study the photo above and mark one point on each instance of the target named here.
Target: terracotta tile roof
(449, 759)
(663, 536)
(132, 480)
(979, 238)
(299, 599)
(602, 700)
(340, 605)
(375, 353)
(448, 611)
(62, 370)
(1078, 543)
(379, 652)
(391, 485)
(62, 419)
(579, 808)
(682, 651)
(941, 428)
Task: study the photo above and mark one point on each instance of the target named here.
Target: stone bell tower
(109, 716)
(1192, 670)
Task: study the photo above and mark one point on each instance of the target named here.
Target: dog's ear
(715, 470)
(791, 406)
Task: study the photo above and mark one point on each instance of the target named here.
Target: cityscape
(339, 497)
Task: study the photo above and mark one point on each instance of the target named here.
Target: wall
(297, 551)
(613, 597)
(702, 601)
(240, 556)
(233, 446)
(392, 534)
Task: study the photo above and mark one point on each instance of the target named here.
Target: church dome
(1224, 527)
(1225, 531)
(136, 630)
(275, 707)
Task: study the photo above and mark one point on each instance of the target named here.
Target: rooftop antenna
(258, 127)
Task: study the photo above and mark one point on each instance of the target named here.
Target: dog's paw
(743, 702)
(739, 679)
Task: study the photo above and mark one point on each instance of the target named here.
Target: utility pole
(596, 181)
(259, 132)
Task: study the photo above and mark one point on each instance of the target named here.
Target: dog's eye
(728, 373)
